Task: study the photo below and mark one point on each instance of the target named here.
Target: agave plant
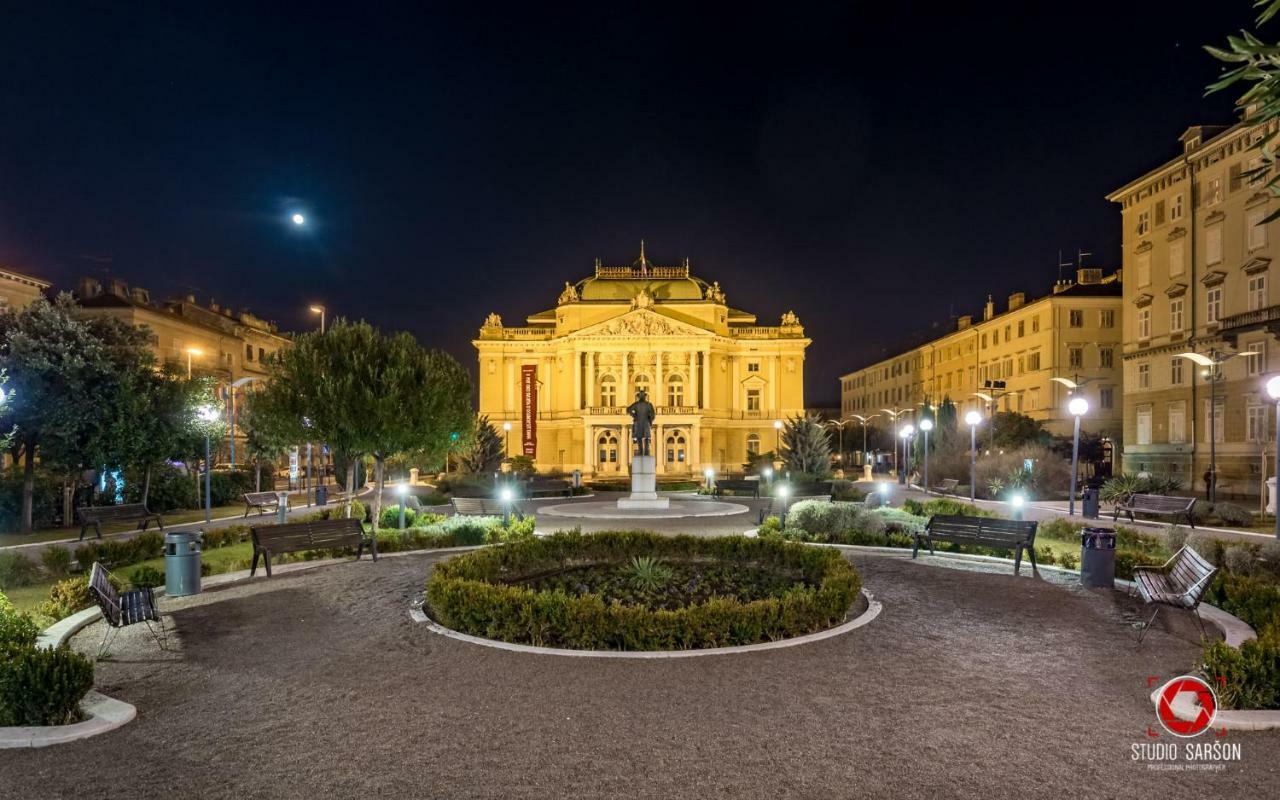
(649, 573)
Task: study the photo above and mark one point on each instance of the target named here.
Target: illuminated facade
(717, 378)
(18, 290)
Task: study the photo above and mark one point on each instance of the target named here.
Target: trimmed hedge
(38, 686)
(466, 594)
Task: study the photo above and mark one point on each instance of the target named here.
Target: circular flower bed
(642, 591)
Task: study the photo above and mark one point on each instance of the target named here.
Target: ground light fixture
(782, 493)
(1017, 501)
(884, 491)
(507, 496)
(1078, 406)
(402, 490)
(973, 419)
(768, 474)
(926, 425)
(1273, 391)
(710, 475)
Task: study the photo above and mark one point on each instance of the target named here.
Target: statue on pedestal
(642, 415)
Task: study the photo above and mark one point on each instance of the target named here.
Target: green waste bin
(182, 563)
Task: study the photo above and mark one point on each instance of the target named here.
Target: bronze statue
(642, 414)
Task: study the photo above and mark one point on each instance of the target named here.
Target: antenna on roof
(1061, 264)
(1080, 254)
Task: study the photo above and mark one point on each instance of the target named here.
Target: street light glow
(973, 418)
(908, 431)
(1078, 406)
(402, 489)
(777, 424)
(782, 490)
(506, 426)
(507, 494)
(926, 425)
(1273, 389)
(768, 472)
(709, 473)
(208, 413)
(1017, 500)
(884, 489)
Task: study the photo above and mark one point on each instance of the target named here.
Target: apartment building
(1199, 258)
(1074, 333)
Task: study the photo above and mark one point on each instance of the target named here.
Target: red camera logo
(1204, 694)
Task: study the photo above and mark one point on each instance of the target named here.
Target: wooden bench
(96, 515)
(120, 610)
(731, 485)
(547, 487)
(1181, 582)
(767, 510)
(1156, 504)
(998, 534)
(322, 534)
(480, 506)
(263, 501)
(948, 486)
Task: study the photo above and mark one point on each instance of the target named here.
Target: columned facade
(717, 379)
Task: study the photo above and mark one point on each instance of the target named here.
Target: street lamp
(402, 490)
(507, 496)
(710, 475)
(884, 492)
(1273, 389)
(768, 474)
(973, 419)
(1215, 359)
(210, 415)
(1078, 406)
(506, 436)
(777, 439)
(192, 351)
(864, 420)
(782, 494)
(318, 310)
(894, 413)
(840, 425)
(926, 425)
(905, 434)
(1017, 501)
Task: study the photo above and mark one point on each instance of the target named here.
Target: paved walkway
(317, 684)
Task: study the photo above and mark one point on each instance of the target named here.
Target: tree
(263, 440)
(1011, 429)
(163, 419)
(1258, 63)
(73, 380)
(805, 447)
(486, 451)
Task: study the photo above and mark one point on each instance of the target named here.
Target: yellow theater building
(717, 379)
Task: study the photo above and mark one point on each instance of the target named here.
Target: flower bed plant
(642, 591)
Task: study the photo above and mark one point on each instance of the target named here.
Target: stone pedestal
(644, 485)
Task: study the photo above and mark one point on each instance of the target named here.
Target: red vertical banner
(529, 408)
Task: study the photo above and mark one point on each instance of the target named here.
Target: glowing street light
(1273, 389)
(782, 492)
(768, 474)
(402, 490)
(318, 309)
(710, 475)
(507, 497)
(894, 413)
(192, 351)
(209, 415)
(973, 419)
(926, 425)
(905, 433)
(777, 439)
(1017, 501)
(506, 435)
(1078, 406)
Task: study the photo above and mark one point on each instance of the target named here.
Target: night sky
(876, 169)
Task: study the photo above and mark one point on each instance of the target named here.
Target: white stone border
(1186, 708)
(874, 607)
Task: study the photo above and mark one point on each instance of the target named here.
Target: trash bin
(1090, 499)
(1098, 558)
(182, 563)
(577, 479)
(322, 495)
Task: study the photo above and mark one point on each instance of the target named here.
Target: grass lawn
(171, 518)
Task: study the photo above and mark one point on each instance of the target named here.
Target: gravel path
(317, 684)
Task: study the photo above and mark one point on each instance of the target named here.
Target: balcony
(1267, 319)
(525, 334)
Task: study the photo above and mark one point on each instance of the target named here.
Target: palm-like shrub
(648, 573)
(805, 446)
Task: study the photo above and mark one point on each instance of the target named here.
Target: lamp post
(894, 413)
(1211, 362)
(884, 493)
(507, 496)
(840, 423)
(506, 436)
(1017, 501)
(906, 433)
(210, 415)
(1078, 406)
(782, 492)
(768, 475)
(926, 425)
(777, 439)
(402, 490)
(710, 475)
(973, 419)
(864, 421)
(1273, 389)
(318, 310)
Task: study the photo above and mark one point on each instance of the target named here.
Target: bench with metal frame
(96, 515)
(1156, 504)
(483, 507)
(1180, 582)
(122, 609)
(997, 534)
(734, 485)
(948, 486)
(263, 501)
(545, 487)
(321, 534)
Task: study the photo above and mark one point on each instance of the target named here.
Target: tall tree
(72, 383)
(805, 446)
(486, 450)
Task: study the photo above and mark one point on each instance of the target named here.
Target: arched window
(753, 444)
(608, 392)
(608, 445)
(675, 391)
(676, 447)
(641, 381)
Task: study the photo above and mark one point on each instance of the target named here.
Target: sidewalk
(1053, 509)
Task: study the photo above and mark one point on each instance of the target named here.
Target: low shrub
(1059, 529)
(1068, 560)
(1232, 515)
(827, 521)
(1239, 560)
(43, 686)
(1253, 599)
(900, 522)
(479, 594)
(1250, 675)
(146, 577)
(66, 598)
(17, 569)
(390, 516)
(121, 552)
(1176, 537)
(56, 561)
(1207, 546)
(944, 506)
(17, 630)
